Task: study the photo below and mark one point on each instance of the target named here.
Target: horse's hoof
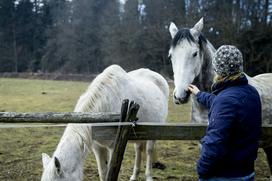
(149, 178)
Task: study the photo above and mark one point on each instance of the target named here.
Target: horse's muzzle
(182, 100)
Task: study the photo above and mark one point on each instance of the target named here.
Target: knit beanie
(227, 61)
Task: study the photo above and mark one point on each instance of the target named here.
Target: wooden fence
(122, 127)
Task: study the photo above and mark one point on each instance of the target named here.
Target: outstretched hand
(193, 89)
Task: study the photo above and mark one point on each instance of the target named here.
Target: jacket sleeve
(205, 98)
(214, 144)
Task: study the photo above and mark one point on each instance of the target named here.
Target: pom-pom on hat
(228, 60)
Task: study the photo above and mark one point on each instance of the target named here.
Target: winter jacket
(230, 145)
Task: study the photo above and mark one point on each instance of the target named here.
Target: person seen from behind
(230, 146)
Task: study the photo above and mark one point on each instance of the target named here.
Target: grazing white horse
(105, 94)
(191, 55)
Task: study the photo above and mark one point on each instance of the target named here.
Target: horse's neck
(71, 150)
(206, 75)
(204, 82)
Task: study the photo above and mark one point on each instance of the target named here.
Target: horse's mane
(185, 33)
(98, 91)
(95, 99)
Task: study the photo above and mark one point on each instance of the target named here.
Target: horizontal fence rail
(151, 131)
(65, 117)
(105, 125)
(161, 131)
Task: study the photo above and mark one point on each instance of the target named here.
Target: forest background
(85, 36)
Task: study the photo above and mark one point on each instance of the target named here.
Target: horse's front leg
(149, 158)
(110, 152)
(137, 164)
(101, 156)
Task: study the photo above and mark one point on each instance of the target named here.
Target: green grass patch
(21, 148)
(22, 95)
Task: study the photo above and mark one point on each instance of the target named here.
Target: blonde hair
(220, 78)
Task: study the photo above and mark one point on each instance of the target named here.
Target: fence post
(128, 113)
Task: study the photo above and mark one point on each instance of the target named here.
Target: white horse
(191, 55)
(105, 94)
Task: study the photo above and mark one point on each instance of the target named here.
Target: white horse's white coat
(190, 69)
(105, 94)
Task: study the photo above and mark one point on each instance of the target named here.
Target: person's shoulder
(238, 92)
(248, 91)
(252, 89)
(226, 99)
(236, 95)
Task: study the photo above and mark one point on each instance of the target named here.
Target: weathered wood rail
(160, 131)
(106, 124)
(65, 117)
(151, 131)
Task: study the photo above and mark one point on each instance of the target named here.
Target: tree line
(85, 36)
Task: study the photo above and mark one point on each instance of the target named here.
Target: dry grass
(21, 148)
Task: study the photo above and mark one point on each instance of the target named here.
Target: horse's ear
(173, 29)
(57, 166)
(45, 159)
(199, 25)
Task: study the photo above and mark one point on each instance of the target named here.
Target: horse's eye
(195, 54)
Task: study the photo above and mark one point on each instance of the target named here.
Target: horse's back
(263, 84)
(154, 77)
(265, 77)
(151, 92)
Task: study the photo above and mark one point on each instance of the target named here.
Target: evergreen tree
(24, 34)
(8, 47)
(58, 37)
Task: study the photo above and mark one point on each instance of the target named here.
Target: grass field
(21, 148)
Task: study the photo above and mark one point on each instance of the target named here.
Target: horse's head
(186, 53)
(54, 171)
